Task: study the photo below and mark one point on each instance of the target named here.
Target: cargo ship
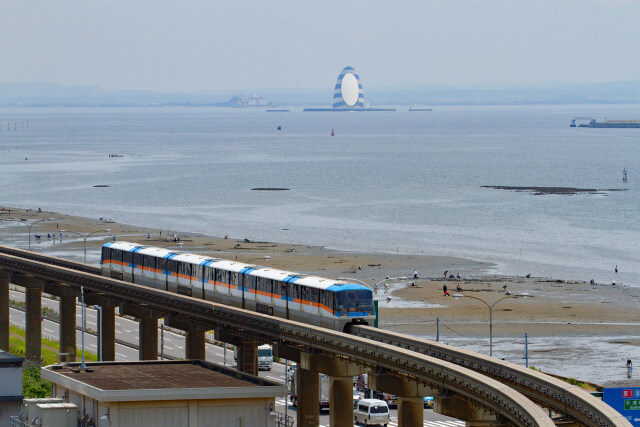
(610, 124)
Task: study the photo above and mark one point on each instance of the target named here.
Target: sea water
(400, 182)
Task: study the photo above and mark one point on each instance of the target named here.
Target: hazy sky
(211, 45)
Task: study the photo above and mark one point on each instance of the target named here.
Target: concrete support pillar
(5, 279)
(461, 408)
(410, 394)
(195, 348)
(341, 398)
(68, 326)
(33, 336)
(308, 398)
(410, 411)
(148, 341)
(108, 344)
(247, 360)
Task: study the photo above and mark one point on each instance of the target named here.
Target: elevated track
(510, 393)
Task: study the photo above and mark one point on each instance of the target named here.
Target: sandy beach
(556, 307)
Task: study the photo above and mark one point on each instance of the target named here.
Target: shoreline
(556, 308)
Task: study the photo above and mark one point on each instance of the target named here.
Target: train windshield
(355, 301)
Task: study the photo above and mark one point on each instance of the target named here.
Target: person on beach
(459, 288)
(444, 290)
(415, 274)
(629, 364)
(445, 273)
(616, 270)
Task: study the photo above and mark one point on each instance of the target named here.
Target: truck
(265, 356)
(324, 391)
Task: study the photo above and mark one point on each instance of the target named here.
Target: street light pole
(25, 222)
(84, 238)
(82, 365)
(376, 285)
(523, 295)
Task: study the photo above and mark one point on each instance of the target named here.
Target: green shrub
(33, 385)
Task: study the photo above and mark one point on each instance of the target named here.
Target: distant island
(537, 191)
(240, 101)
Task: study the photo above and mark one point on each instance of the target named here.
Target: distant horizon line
(374, 88)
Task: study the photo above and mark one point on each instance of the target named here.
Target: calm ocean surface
(407, 182)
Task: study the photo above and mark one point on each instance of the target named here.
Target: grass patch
(49, 349)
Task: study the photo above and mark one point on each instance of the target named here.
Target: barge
(611, 124)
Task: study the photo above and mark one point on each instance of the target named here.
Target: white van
(371, 411)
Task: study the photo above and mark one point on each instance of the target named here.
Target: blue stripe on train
(348, 287)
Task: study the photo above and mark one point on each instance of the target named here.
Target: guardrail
(543, 389)
(415, 365)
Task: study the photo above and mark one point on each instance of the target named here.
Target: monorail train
(315, 300)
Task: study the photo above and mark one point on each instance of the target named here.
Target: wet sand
(557, 307)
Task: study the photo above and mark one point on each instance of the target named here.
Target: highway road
(174, 346)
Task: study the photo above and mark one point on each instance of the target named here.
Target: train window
(278, 288)
(346, 301)
(269, 288)
(234, 279)
(127, 257)
(365, 301)
(150, 261)
(312, 294)
(184, 268)
(172, 267)
(209, 273)
(327, 298)
(294, 291)
(161, 264)
(220, 276)
(116, 255)
(138, 258)
(106, 253)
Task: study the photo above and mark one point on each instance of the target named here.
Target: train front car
(353, 304)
